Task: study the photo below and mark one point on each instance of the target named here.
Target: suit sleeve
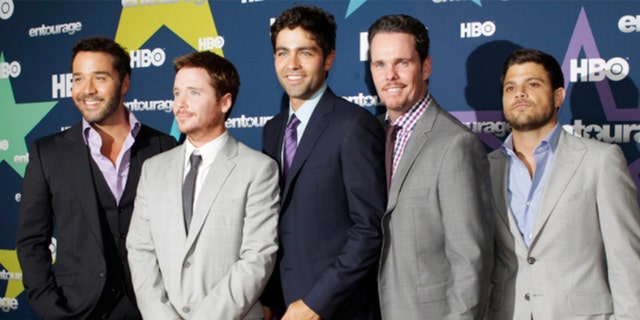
(241, 287)
(362, 161)
(619, 217)
(464, 188)
(148, 284)
(34, 232)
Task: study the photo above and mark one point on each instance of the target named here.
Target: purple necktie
(290, 144)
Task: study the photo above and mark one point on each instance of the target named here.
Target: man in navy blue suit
(331, 156)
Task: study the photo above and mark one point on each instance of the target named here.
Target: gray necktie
(188, 189)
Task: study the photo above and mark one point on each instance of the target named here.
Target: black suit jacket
(332, 202)
(58, 193)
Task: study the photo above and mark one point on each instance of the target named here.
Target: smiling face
(97, 90)
(528, 100)
(398, 74)
(199, 113)
(300, 65)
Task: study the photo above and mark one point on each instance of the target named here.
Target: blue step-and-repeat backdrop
(596, 42)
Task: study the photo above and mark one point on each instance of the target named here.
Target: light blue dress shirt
(304, 113)
(524, 192)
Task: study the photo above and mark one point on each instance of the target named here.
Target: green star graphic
(16, 121)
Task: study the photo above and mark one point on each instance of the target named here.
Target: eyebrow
(313, 48)
(525, 80)
(95, 72)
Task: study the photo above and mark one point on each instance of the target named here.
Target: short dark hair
(224, 76)
(402, 23)
(121, 59)
(320, 24)
(547, 61)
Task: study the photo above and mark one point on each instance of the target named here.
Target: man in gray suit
(210, 258)
(437, 247)
(568, 225)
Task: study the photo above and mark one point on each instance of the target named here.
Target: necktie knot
(293, 122)
(195, 160)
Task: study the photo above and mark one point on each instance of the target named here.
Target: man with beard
(80, 184)
(568, 224)
(437, 227)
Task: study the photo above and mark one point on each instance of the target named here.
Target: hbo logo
(591, 70)
(10, 69)
(477, 29)
(145, 58)
(210, 43)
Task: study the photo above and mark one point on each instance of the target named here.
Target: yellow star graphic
(9, 260)
(188, 20)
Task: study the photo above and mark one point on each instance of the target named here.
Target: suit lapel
(317, 124)
(139, 153)
(219, 172)
(174, 216)
(416, 143)
(499, 174)
(499, 180)
(76, 153)
(569, 155)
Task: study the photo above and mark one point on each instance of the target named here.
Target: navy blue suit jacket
(332, 201)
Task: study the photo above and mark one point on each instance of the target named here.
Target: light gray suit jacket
(220, 268)
(438, 226)
(584, 258)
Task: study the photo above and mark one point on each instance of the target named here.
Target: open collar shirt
(523, 191)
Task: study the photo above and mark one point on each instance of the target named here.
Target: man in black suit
(333, 184)
(82, 184)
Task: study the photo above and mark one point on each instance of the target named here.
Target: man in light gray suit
(437, 246)
(568, 223)
(210, 258)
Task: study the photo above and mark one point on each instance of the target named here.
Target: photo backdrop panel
(596, 42)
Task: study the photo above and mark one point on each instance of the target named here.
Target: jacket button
(526, 296)
(101, 274)
(186, 309)
(531, 260)
(187, 265)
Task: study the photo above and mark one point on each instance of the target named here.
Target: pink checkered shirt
(407, 121)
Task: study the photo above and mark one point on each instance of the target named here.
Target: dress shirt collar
(134, 124)
(208, 151)
(549, 141)
(306, 109)
(408, 120)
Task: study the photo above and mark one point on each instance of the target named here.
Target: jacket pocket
(591, 303)
(66, 280)
(432, 292)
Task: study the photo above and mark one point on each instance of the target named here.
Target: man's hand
(267, 313)
(298, 310)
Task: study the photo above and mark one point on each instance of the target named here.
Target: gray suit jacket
(438, 226)
(584, 258)
(220, 268)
